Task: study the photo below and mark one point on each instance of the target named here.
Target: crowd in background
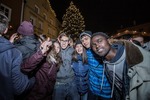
(94, 67)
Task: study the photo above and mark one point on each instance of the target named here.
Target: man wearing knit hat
(99, 85)
(28, 43)
(12, 80)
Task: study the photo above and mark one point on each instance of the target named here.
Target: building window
(51, 21)
(36, 9)
(49, 31)
(40, 25)
(32, 20)
(6, 10)
(45, 16)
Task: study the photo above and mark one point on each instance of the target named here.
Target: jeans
(65, 91)
(84, 97)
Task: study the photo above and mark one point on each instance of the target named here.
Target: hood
(5, 44)
(29, 41)
(133, 53)
(120, 50)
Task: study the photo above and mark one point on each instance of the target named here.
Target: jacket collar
(133, 54)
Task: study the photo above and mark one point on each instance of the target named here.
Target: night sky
(107, 15)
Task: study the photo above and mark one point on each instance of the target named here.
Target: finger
(48, 39)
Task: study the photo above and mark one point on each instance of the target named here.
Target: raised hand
(13, 37)
(45, 45)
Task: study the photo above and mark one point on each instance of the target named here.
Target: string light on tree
(73, 21)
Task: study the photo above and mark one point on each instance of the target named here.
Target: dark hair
(52, 53)
(136, 42)
(83, 55)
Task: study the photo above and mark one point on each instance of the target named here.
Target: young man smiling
(126, 65)
(99, 85)
(65, 86)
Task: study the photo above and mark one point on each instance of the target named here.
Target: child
(80, 68)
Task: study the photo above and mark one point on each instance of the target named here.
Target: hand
(45, 46)
(13, 37)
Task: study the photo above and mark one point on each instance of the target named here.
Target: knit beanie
(77, 42)
(88, 33)
(26, 28)
(100, 33)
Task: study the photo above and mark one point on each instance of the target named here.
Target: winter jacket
(99, 84)
(81, 75)
(138, 71)
(65, 73)
(45, 74)
(12, 80)
(28, 45)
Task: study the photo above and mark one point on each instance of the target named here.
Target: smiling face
(86, 41)
(79, 48)
(64, 42)
(100, 45)
(57, 47)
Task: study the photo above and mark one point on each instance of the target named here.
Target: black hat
(100, 33)
(78, 42)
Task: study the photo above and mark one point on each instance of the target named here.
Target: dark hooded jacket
(28, 45)
(136, 72)
(12, 81)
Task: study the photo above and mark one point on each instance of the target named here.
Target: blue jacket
(99, 84)
(12, 81)
(81, 75)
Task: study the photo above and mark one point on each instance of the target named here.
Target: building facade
(13, 11)
(39, 12)
(42, 17)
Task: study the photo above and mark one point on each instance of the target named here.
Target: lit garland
(73, 21)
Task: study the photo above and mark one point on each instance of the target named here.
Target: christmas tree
(73, 22)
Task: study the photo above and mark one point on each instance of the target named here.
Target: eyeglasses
(64, 40)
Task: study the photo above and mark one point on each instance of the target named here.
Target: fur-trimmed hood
(133, 53)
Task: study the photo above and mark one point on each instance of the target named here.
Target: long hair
(83, 55)
(52, 56)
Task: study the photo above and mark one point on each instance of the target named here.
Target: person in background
(140, 38)
(146, 46)
(71, 42)
(126, 66)
(136, 42)
(81, 67)
(27, 43)
(65, 87)
(12, 81)
(45, 68)
(99, 85)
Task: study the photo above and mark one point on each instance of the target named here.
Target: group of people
(94, 68)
